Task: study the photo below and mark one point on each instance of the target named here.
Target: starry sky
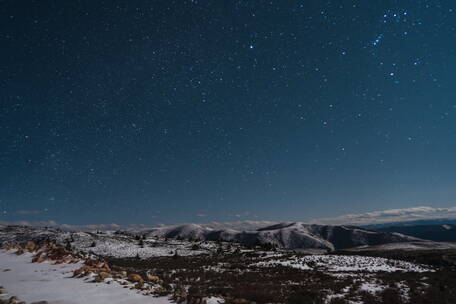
(195, 111)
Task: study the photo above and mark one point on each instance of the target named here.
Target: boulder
(103, 276)
(12, 300)
(68, 260)
(133, 277)
(103, 266)
(153, 278)
(39, 259)
(106, 267)
(117, 275)
(84, 270)
(90, 262)
(30, 246)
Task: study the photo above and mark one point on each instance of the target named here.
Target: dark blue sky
(178, 111)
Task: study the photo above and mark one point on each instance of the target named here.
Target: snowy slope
(33, 282)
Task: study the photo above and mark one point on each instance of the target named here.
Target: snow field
(33, 282)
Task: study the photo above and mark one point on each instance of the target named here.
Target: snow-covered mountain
(291, 235)
(294, 235)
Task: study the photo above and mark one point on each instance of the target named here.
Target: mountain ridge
(437, 233)
(290, 235)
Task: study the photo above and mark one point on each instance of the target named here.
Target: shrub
(195, 247)
(391, 296)
(338, 301)
(305, 297)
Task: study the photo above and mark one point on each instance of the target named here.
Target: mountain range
(425, 222)
(293, 235)
(437, 233)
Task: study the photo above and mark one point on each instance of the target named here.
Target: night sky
(196, 111)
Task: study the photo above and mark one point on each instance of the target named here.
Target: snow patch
(342, 263)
